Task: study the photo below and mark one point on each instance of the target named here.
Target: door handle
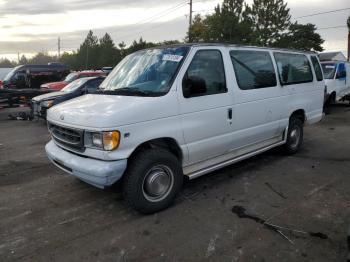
(229, 113)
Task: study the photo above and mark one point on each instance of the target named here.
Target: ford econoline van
(337, 79)
(185, 110)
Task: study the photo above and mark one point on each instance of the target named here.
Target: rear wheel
(153, 179)
(294, 136)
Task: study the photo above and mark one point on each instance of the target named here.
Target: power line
(136, 34)
(332, 27)
(155, 18)
(332, 11)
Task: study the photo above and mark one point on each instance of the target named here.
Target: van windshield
(145, 73)
(11, 73)
(328, 70)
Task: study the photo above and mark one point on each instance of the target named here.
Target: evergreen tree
(6, 63)
(270, 19)
(23, 60)
(88, 52)
(228, 23)
(109, 55)
(301, 37)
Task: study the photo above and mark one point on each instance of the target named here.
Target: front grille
(68, 137)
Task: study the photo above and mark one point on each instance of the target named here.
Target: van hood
(48, 96)
(111, 111)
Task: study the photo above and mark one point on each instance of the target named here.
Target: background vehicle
(107, 69)
(23, 82)
(337, 79)
(56, 86)
(185, 110)
(82, 86)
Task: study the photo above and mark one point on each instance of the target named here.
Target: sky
(32, 26)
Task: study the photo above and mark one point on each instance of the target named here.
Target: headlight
(103, 140)
(48, 103)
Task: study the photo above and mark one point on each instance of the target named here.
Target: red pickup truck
(57, 86)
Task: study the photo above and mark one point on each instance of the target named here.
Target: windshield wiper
(132, 91)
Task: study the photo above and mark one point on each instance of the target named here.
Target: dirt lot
(47, 215)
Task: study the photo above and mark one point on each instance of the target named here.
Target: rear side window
(293, 68)
(253, 69)
(207, 72)
(317, 68)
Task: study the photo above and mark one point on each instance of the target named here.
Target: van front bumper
(98, 173)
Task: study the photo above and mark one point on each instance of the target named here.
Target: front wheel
(294, 136)
(152, 181)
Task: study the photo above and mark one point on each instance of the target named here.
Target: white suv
(185, 110)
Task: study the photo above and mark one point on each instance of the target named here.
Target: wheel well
(300, 114)
(165, 143)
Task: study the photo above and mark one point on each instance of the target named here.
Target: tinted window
(293, 68)
(317, 68)
(328, 70)
(206, 68)
(253, 69)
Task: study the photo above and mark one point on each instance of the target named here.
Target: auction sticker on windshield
(173, 58)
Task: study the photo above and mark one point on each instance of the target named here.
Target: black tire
(294, 140)
(143, 167)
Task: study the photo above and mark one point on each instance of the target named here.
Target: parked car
(23, 82)
(185, 110)
(57, 86)
(82, 86)
(337, 78)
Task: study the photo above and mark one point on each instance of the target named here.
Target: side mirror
(194, 86)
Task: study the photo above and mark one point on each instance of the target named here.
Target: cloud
(33, 25)
(170, 30)
(34, 7)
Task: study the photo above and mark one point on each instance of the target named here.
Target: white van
(185, 110)
(337, 79)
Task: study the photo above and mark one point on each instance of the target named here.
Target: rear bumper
(98, 173)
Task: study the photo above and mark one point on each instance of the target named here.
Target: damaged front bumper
(96, 172)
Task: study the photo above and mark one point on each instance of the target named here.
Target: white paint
(199, 125)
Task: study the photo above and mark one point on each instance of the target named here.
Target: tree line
(264, 23)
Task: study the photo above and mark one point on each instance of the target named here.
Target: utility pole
(190, 23)
(87, 57)
(59, 48)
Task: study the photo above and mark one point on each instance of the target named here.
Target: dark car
(40, 104)
(23, 82)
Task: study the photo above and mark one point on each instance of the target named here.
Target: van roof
(236, 45)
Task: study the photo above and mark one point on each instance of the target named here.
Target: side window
(341, 73)
(253, 69)
(205, 75)
(317, 68)
(293, 68)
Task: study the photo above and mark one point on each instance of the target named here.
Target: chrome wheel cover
(294, 137)
(157, 183)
